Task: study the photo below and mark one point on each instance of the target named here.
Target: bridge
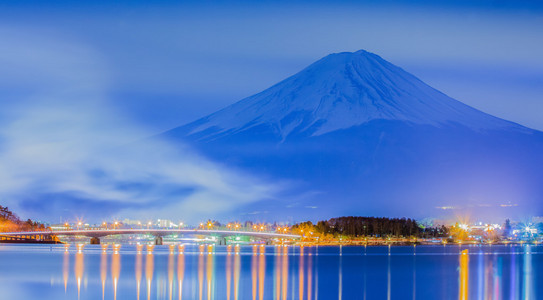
(96, 234)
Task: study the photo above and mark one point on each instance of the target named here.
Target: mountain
(355, 134)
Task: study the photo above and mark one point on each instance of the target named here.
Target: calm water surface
(271, 272)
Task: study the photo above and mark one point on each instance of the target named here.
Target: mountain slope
(357, 130)
(340, 91)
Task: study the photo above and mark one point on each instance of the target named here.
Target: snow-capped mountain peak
(343, 90)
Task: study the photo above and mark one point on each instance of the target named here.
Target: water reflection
(284, 267)
(115, 268)
(170, 274)
(200, 273)
(340, 279)
(65, 269)
(276, 274)
(253, 271)
(149, 270)
(237, 266)
(210, 273)
(228, 271)
(288, 272)
(261, 272)
(103, 272)
(301, 275)
(527, 291)
(180, 271)
(79, 268)
(138, 271)
(464, 275)
(310, 277)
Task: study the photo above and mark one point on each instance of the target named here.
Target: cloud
(64, 152)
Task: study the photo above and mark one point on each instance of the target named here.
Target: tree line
(371, 226)
(9, 221)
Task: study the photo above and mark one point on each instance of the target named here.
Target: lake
(271, 272)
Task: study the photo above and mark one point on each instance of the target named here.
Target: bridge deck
(155, 232)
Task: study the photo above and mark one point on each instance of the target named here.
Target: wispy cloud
(65, 152)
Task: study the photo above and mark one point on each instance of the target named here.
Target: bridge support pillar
(159, 241)
(222, 241)
(95, 241)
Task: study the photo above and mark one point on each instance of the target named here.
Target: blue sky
(167, 64)
(88, 76)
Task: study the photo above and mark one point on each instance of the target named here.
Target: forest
(371, 226)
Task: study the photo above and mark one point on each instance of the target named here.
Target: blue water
(271, 272)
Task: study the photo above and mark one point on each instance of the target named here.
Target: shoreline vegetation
(371, 231)
(9, 221)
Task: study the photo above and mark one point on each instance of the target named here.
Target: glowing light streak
(464, 275)
(180, 272)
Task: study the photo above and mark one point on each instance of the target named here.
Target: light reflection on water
(270, 272)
